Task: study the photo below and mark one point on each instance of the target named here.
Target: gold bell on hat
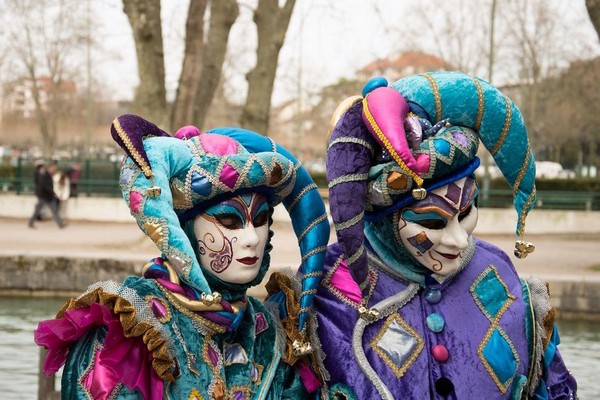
(522, 248)
(419, 193)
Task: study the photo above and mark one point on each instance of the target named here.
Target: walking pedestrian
(62, 191)
(44, 191)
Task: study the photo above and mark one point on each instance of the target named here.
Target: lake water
(19, 356)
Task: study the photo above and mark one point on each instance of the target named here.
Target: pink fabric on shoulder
(218, 144)
(120, 360)
(343, 281)
(187, 132)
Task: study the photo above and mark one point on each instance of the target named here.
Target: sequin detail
(398, 344)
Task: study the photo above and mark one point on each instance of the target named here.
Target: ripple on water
(19, 357)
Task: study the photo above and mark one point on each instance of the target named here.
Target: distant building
(19, 95)
(403, 64)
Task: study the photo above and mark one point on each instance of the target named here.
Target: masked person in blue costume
(186, 329)
(411, 305)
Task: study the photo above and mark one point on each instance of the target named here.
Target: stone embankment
(102, 242)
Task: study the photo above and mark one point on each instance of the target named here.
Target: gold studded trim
(437, 98)
(480, 104)
(530, 199)
(162, 362)
(505, 128)
(134, 153)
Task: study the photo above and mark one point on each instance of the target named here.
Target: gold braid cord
(281, 282)
(162, 362)
(548, 322)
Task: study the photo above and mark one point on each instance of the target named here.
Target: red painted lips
(247, 260)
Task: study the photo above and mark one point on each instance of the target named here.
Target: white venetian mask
(436, 230)
(232, 236)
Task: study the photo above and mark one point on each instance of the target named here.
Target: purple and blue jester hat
(166, 179)
(393, 144)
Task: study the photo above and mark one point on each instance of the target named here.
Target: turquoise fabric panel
(518, 388)
(499, 354)
(492, 293)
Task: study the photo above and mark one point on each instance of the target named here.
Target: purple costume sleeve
(560, 383)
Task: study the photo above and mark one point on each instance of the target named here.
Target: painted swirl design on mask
(220, 258)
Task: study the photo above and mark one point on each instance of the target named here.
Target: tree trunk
(593, 8)
(271, 24)
(191, 70)
(150, 96)
(223, 14)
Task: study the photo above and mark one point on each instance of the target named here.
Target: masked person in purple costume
(411, 305)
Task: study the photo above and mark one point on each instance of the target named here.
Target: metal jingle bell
(419, 193)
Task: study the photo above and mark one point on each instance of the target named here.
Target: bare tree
(198, 83)
(455, 31)
(271, 22)
(571, 134)
(593, 8)
(191, 70)
(46, 38)
(223, 14)
(150, 96)
(537, 52)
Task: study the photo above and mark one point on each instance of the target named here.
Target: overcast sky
(327, 40)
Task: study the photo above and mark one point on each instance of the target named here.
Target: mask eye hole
(465, 213)
(229, 220)
(261, 219)
(433, 223)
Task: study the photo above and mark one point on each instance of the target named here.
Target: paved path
(564, 257)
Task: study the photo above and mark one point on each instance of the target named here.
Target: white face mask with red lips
(436, 230)
(232, 236)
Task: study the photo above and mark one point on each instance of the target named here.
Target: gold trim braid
(505, 128)
(162, 363)
(480, 105)
(437, 98)
(134, 153)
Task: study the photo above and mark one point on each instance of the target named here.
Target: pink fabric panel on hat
(343, 281)
(423, 163)
(218, 144)
(135, 199)
(388, 109)
(229, 175)
(187, 132)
